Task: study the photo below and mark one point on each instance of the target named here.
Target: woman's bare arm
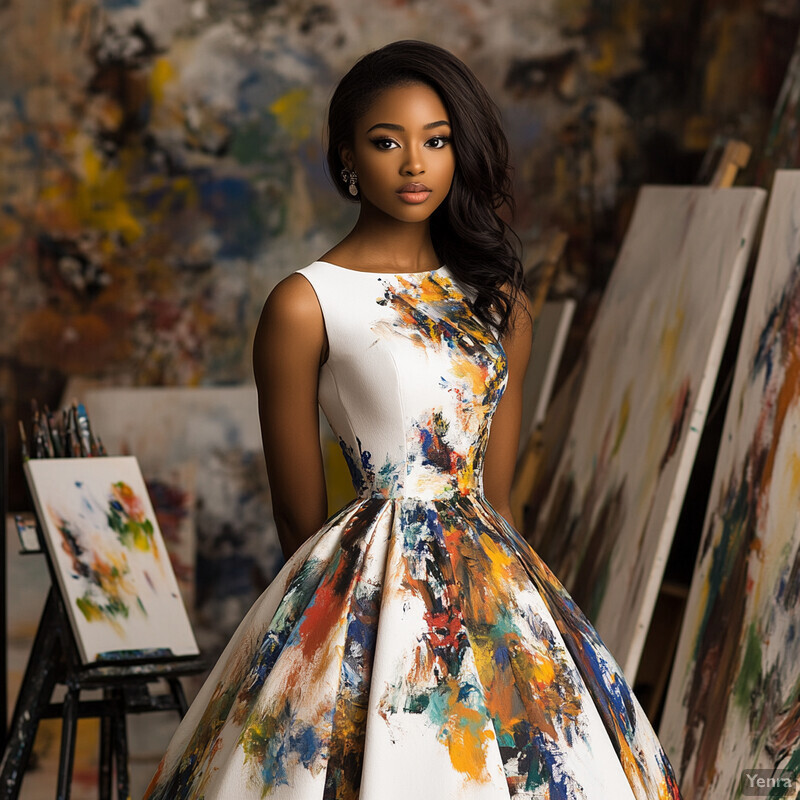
(287, 353)
(501, 451)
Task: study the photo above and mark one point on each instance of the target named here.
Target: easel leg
(120, 739)
(35, 692)
(177, 694)
(69, 727)
(104, 774)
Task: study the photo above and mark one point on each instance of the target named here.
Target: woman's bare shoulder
(292, 304)
(291, 328)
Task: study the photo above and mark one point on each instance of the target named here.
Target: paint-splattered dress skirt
(415, 646)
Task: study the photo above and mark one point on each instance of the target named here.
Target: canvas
(110, 558)
(607, 524)
(733, 702)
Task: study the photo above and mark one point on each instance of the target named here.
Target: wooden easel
(55, 660)
(735, 156)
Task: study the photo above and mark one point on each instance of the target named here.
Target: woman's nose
(413, 164)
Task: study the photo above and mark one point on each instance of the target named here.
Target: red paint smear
(443, 628)
(320, 616)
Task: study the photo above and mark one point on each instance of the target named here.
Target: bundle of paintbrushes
(67, 434)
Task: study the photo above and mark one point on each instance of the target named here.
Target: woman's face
(403, 154)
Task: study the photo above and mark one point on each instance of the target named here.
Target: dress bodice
(411, 381)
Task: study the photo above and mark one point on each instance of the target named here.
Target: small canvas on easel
(110, 559)
(732, 713)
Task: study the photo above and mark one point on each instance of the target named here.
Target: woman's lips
(414, 193)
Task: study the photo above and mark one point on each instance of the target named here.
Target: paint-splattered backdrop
(162, 163)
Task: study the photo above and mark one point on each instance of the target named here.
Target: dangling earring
(349, 176)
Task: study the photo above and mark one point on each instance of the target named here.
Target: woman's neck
(380, 240)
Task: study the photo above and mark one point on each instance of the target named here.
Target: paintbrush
(84, 430)
(74, 442)
(23, 441)
(39, 447)
(45, 428)
(55, 433)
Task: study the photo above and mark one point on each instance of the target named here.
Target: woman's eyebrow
(393, 127)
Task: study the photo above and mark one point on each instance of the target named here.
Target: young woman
(414, 645)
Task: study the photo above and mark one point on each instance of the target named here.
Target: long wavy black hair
(468, 233)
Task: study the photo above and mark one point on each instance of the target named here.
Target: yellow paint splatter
(162, 73)
(466, 478)
(795, 470)
(670, 337)
(466, 744)
(466, 735)
(537, 668)
(500, 559)
(294, 113)
(102, 197)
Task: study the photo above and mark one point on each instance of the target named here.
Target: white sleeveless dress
(415, 646)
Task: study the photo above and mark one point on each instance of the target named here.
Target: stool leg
(121, 748)
(69, 726)
(104, 776)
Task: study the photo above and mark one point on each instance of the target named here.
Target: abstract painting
(652, 356)
(733, 704)
(163, 167)
(110, 558)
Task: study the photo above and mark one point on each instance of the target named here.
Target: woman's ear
(346, 156)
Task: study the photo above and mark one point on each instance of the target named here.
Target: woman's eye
(384, 144)
(438, 142)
